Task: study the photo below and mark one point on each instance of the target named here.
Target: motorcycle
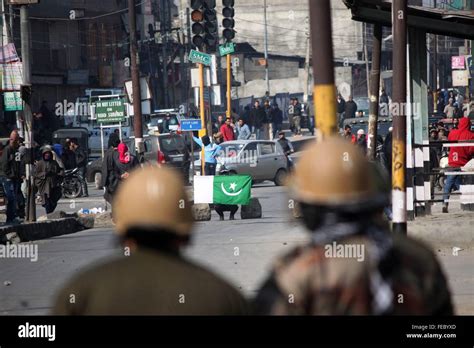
(71, 185)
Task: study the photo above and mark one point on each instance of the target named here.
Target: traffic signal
(211, 27)
(228, 22)
(204, 27)
(197, 16)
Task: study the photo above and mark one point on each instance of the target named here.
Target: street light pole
(137, 98)
(374, 86)
(323, 70)
(399, 201)
(267, 79)
(28, 117)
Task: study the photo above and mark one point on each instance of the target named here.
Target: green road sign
(226, 49)
(199, 57)
(13, 101)
(108, 111)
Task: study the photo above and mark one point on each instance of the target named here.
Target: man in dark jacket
(246, 115)
(109, 179)
(10, 174)
(351, 108)
(257, 115)
(341, 107)
(277, 119)
(152, 277)
(68, 156)
(267, 121)
(297, 116)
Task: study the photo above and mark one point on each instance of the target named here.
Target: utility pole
(323, 70)
(366, 57)
(164, 43)
(306, 63)
(374, 91)
(137, 97)
(435, 68)
(28, 117)
(267, 80)
(229, 85)
(399, 200)
(188, 65)
(202, 111)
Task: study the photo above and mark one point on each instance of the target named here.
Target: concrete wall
(257, 88)
(278, 69)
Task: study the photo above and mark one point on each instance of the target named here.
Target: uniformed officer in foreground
(353, 265)
(153, 221)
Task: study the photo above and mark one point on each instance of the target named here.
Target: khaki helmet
(335, 173)
(153, 198)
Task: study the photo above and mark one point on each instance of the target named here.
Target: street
(241, 251)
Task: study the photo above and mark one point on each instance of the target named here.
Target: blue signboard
(191, 125)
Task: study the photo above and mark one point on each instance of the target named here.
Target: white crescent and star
(232, 186)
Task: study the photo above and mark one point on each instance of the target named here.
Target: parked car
(263, 160)
(383, 125)
(363, 104)
(163, 122)
(94, 172)
(299, 146)
(163, 149)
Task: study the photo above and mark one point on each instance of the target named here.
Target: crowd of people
(116, 167)
(450, 104)
(50, 164)
(262, 121)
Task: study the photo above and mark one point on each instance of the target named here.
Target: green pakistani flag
(225, 189)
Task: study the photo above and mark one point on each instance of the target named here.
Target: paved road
(32, 285)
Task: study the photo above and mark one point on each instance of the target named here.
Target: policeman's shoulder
(415, 253)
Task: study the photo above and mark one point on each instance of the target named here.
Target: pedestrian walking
(10, 175)
(353, 264)
(458, 157)
(287, 148)
(68, 157)
(109, 179)
(296, 116)
(362, 140)
(243, 130)
(48, 177)
(257, 115)
(267, 121)
(124, 163)
(450, 109)
(152, 277)
(351, 108)
(277, 119)
(218, 124)
(227, 130)
(341, 107)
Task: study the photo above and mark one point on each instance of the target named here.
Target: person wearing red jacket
(227, 130)
(458, 157)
